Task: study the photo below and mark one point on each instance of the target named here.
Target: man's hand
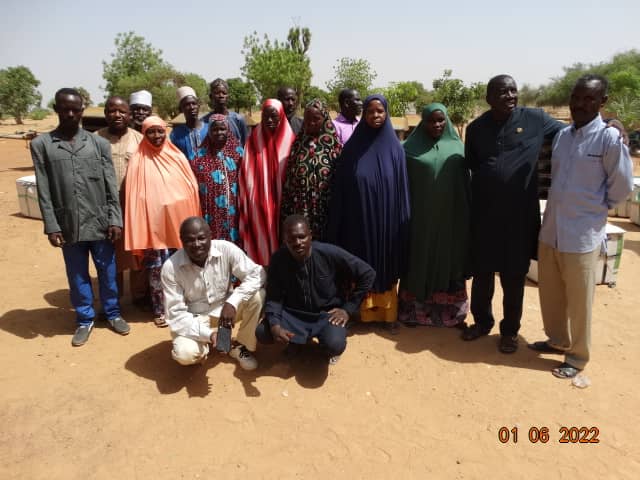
(213, 338)
(114, 233)
(338, 317)
(227, 315)
(56, 239)
(281, 335)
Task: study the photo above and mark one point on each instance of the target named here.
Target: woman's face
(434, 126)
(156, 135)
(270, 118)
(312, 121)
(218, 133)
(375, 115)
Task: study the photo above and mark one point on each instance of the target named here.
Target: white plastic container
(28, 196)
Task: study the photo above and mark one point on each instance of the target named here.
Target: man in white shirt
(199, 297)
(591, 171)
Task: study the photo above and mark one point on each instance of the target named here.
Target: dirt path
(420, 404)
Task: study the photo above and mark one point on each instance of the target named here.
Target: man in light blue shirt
(591, 172)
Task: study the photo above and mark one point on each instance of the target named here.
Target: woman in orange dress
(161, 191)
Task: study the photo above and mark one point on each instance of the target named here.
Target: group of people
(305, 223)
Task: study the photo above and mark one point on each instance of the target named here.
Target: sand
(419, 404)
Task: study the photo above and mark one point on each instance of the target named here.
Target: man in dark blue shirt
(306, 291)
(501, 149)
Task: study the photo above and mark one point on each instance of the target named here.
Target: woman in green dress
(433, 292)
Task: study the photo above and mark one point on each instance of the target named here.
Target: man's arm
(110, 183)
(39, 158)
(180, 320)
(362, 276)
(617, 163)
(251, 275)
(550, 126)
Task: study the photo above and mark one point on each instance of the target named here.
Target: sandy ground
(419, 404)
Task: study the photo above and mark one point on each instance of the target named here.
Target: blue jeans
(76, 260)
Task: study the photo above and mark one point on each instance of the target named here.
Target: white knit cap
(140, 98)
(185, 92)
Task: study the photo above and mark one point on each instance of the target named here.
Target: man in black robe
(501, 149)
(305, 294)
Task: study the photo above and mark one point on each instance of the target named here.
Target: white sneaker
(245, 358)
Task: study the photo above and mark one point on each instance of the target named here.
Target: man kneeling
(303, 291)
(199, 296)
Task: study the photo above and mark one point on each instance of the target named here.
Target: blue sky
(409, 40)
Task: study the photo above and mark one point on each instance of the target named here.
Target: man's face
(117, 115)
(352, 106)
(219, 96)
(190, 107)
(503, 97)
(69, 109)
(139, 113)
(270, 118)
(297, 238)
(196, 241)
(289, 101)
(586, 101)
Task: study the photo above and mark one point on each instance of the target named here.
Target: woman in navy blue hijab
(369, 213)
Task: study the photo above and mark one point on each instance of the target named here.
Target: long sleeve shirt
(591, 171)
(344, 127)
(77, 187)
(191, 290)
(122, 149)
(318, 284)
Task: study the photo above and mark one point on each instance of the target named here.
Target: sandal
(565, 371)
(544, 347)
(473, 332)
(508, 343)
(160, 321)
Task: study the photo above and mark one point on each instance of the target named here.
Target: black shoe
(474, 332)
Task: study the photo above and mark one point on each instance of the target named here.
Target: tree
(317, 92)
(86, 97)
(133, 57)
(354, 73)
(137, 65)
(18, 92)
(459, 99)
(402, 96)
(242, 95)
(268, 65)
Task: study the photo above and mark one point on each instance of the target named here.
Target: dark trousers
(331, 337)
(482, 289)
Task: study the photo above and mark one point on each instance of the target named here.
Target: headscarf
(216, 170)
(419, 144)
(161, 191)
(310, 172)
(440, 199)
(369, 213)
(261, 177)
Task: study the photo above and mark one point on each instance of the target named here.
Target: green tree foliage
(402, 96)
(137, 65)
(354, 73)
(39, 113)
(133, 57)
(86, 97)
(242, 95)
(528, 95)
(268, 64)
(317, 92)
(18, 92)
(459, 99)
